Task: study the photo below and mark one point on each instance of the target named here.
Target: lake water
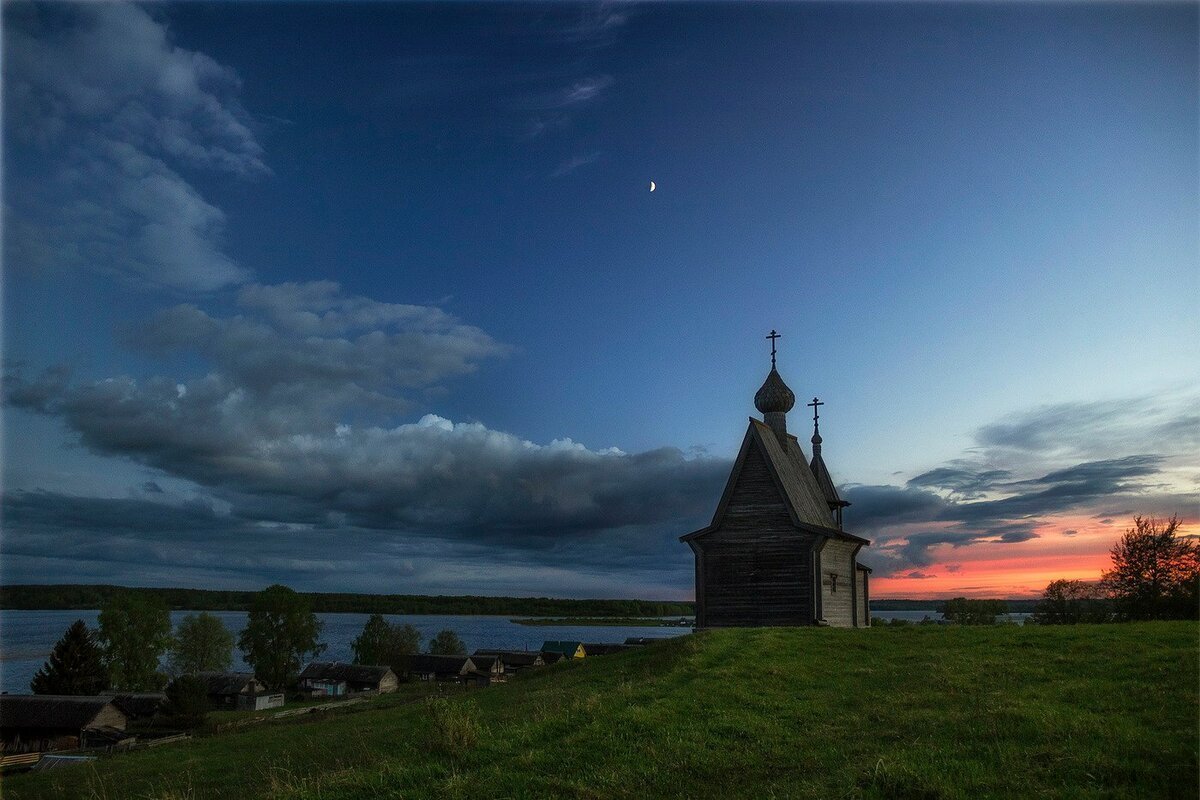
(27, 637)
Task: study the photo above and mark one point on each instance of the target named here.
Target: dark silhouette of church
(775, 552)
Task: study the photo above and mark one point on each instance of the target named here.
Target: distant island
(56, 597)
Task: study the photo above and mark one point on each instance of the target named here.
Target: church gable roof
(798, 488)
(825, 482)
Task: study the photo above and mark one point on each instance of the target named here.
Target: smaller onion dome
(774, 396)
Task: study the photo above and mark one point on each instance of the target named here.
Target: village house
(776, 552)
(514, 660)
(492, 666)
(425, 667)
(550, 657)
(331, 679)
(239, 691)
(137, 706)
(566, 649)
(43, 722)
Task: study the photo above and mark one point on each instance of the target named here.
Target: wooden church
(775, 552)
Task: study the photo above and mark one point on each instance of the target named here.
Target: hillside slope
(919, 712)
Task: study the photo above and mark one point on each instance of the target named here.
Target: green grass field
(916, 712)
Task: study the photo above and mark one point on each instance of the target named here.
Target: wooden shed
(776, 552)
(336, 678)
(41, 722)
(426, 667)
(137, 705)
(514, 660)
(238, 691)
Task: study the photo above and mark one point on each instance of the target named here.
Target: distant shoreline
(80, 597)
(623, 622)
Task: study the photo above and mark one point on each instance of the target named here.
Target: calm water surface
(27, 637)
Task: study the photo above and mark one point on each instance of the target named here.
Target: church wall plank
(837, 572)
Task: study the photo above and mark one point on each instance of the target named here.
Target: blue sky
(327, 221)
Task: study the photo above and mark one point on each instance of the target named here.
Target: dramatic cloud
(1010, 487)
(104, 111)
(284, 428)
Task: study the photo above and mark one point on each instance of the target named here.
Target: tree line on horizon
(56, 597)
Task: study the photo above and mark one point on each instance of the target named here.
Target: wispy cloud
(105, 111)
(573, 164)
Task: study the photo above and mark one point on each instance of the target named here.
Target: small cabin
(333, 678)
(137, 706)
(492, 666)
(514, 660)
(427, 667)
(42, 722)
(567, 649)
(238, 691)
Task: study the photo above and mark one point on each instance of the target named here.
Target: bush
(187, 702)
(454, 728)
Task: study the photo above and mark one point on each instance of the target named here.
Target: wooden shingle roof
(802, 496)
(350, 673)
(51, 711)
(229, 683)
(425, 663)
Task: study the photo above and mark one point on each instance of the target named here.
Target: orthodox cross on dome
(773, 336)
(814, 405)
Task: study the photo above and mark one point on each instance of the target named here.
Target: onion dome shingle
(774, 395)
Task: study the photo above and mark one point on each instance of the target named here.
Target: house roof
(350, 673)
(137, 704)
(227, 683)
(605, 648)
(440, 665)
(566, 648)
(863, 567)
(513, 658)
(802, 495)
(484, 663)
(67, 712)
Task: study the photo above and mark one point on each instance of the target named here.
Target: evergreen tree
(135, 631)
(447, 643)
(202, 644)
(280, 633)
(76, 666)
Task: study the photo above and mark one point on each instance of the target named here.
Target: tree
(1070, 602)
(76, 666)
(280, 634)
(202, 644)
(383, 643)
(962, 611)
(1155, 573)
(187, 701)
(447, 643)
(135, 630)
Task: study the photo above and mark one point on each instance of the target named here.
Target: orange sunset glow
(1075, 548)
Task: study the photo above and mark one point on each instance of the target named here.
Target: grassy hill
(917, 712)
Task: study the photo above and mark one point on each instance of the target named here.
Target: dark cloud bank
(296, 477)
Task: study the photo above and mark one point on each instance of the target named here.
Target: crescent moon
(652, 186)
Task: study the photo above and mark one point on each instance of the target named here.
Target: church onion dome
(774, 396)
